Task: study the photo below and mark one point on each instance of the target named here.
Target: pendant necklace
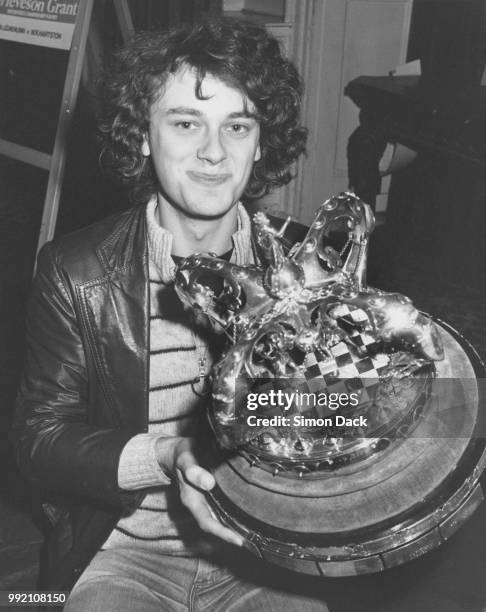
(201, 383)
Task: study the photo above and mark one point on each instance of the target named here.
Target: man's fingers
(194, 473)
(197, 504)
(199, 477)
(193, 480)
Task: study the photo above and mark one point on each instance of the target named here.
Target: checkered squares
(354, 366)
(346, 370)
(356, 317)
(355, 322)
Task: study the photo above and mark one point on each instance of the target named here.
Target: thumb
(194, 473)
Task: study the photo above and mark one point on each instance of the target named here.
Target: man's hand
(176, 457)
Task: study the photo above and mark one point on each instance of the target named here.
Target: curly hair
(239, 53)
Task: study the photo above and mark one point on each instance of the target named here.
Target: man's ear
(258, 154)
(145, 147)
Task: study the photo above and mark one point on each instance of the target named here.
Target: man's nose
(212, 149)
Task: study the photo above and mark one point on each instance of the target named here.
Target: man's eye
(238, 128)
(185, 125)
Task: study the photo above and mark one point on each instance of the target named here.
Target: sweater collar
(160, 242)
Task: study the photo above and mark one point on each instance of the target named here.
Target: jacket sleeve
(57, 450)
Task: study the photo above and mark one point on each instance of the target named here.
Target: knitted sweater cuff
(138, 467)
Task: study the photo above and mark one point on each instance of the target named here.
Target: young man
(110, 409)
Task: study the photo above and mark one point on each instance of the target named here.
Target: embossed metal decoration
(403, 473)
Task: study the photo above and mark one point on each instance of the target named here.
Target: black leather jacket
(84, 392)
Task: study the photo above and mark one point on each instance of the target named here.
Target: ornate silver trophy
(330, 487)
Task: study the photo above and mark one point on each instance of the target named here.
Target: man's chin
(213, 206)
(205, 204)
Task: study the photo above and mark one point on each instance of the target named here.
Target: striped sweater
(176, 346)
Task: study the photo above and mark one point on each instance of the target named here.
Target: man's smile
(207, 178)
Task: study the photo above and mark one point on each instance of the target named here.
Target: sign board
(48, 23)
(52, 23)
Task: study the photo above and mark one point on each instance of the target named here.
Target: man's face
(203, 151)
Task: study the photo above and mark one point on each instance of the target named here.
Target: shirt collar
(160, 241)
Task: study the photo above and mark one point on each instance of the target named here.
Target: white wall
(332, 42)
